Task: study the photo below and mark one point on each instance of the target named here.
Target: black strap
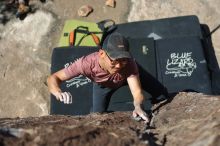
(214, 30)
(107, 26)
(85, 30)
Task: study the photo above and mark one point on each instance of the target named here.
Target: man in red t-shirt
(109, 68)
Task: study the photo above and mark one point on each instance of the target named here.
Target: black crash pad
(182, 65)
(141, 49)
(80, 87)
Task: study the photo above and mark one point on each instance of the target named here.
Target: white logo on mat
(77, 81)
(180, 64)
(145, 49)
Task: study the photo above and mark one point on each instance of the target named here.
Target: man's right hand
(64, 97)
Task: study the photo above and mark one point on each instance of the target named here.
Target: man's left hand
(139, 112)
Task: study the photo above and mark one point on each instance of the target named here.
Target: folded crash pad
(80, 87)
(81, 39)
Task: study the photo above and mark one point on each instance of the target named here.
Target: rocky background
(26, 46)
(25, 52)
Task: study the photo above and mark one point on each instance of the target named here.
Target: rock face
(26, 46)
(188, 119)
(24, 65)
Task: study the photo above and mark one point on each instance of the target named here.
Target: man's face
(114, 66)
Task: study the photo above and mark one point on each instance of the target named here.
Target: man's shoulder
(92, 56)
(132, 63)
(131, 68)
(90, 60)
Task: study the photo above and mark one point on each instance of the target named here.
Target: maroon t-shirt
(89, 67)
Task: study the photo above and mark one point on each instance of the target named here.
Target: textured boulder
(189, 119)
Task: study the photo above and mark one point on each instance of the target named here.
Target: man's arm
(135, 87)
(54, 81)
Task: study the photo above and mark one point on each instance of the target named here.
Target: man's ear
(101, 53)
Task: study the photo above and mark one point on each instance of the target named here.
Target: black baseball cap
(116, 46)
